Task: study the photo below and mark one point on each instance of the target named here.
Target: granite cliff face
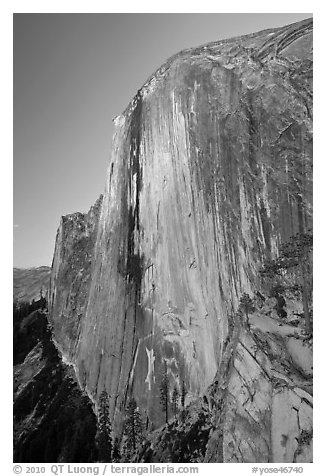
(210, 172)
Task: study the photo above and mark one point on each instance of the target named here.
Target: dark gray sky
(72, 74)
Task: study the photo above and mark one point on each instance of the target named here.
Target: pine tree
(133, 427)
(183, 400)
(42, 301)
(104, 441)
(164, 392)
(175, 400)
(183, 394)
(246, 305)
(116, 456)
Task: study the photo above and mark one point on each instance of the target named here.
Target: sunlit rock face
(262, 395)
(210, 172)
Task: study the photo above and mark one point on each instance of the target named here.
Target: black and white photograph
(162, 240)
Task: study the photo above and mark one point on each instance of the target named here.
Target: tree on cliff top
(164, 392)
(103, 437)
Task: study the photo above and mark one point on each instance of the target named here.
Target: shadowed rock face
(53, 420)
(210, 172)
(71, 275)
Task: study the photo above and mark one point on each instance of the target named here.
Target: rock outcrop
(210, 173)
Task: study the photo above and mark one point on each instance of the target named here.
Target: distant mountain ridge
(28, 282)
